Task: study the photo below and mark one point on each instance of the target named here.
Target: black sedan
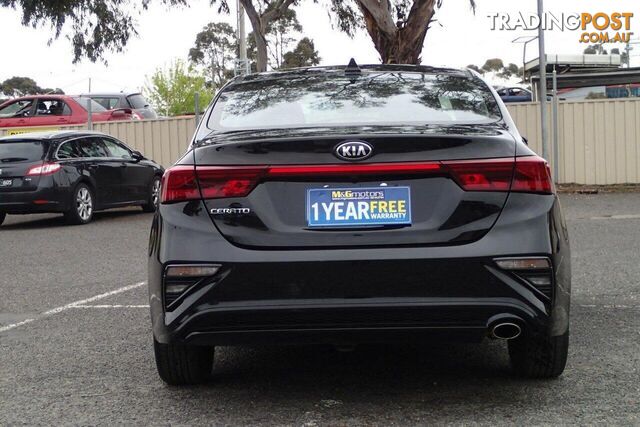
(353, 205)
(74, 173)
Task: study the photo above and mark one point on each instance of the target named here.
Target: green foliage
(279, 35)
(498, 68)
(494, 65)
(173, 89)
(304, 55)
(96, 26)
(214, 50)
(595, 49)
(20, 86)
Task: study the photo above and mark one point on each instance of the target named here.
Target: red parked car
(56, 110)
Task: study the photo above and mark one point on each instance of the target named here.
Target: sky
(457, 39)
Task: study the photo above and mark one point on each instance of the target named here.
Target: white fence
(599, 139)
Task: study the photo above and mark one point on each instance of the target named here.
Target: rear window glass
(384, 98)
(23, 151)
(108, 103)
(137, 101)
(84, 103)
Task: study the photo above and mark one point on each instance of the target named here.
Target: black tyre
(82, 206)
(2, 217)
(539, 356)
(154, 196)
(183, 364)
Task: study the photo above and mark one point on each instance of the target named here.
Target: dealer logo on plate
(353, 150)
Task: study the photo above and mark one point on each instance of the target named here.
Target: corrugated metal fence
(599, 139)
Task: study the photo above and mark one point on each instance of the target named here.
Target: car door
(17, 113)
(105, 171)
(51, 112)
(136, 176)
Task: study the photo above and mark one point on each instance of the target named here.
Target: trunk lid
(16, 158)
(278, 213)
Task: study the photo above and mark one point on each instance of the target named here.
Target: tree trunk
(261, 50)
(259, 24)
(397, 43)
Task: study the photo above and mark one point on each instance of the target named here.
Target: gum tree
(396, 27)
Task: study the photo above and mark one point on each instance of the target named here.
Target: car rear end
(356, 232)
(28, 179)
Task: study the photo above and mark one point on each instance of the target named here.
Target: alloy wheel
(155, 192)
(84, 204)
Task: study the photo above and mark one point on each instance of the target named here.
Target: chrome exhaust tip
(505, 331)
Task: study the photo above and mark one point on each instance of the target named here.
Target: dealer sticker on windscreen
(348, 207)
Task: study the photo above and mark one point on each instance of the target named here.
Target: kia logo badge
(353, 150)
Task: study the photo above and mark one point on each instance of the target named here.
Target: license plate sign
(6, 182)
(358, 207)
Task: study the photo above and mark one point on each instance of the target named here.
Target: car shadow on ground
(365, 365)
(319, 381)
(39, 221)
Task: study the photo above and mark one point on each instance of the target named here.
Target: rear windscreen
(137, 101)
(383, 98)
(23, 151)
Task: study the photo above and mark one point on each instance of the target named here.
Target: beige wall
(599, 140)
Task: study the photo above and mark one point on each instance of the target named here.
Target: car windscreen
(384, 98)
(137, 101)
(84, 103)
(22, 151)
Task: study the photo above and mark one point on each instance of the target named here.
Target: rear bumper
(41, 200)
(357, 295)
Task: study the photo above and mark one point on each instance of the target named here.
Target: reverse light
(44, 169)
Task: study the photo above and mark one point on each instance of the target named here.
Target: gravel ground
(93, 363)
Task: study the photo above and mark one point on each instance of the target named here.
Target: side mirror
(122, 113)
(137, 156)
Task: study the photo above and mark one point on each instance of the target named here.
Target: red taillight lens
(482, 175)
(526, 174)
(532, 175)
(179, 184)
(357, 169)
(235, 181)
(44, 169)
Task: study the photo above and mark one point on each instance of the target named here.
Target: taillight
(179, 184)
(44, 169)
(532, 175)
(355, 169)
(223, 181)
(482, 175)
(527, 174)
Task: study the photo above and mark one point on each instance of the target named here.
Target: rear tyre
(539, 356)
(82, 204)
(154, 196)
(2, 217)
(183, 364)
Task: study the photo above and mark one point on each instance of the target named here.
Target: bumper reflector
(178, 279)
(523, 263)
(177, 271)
